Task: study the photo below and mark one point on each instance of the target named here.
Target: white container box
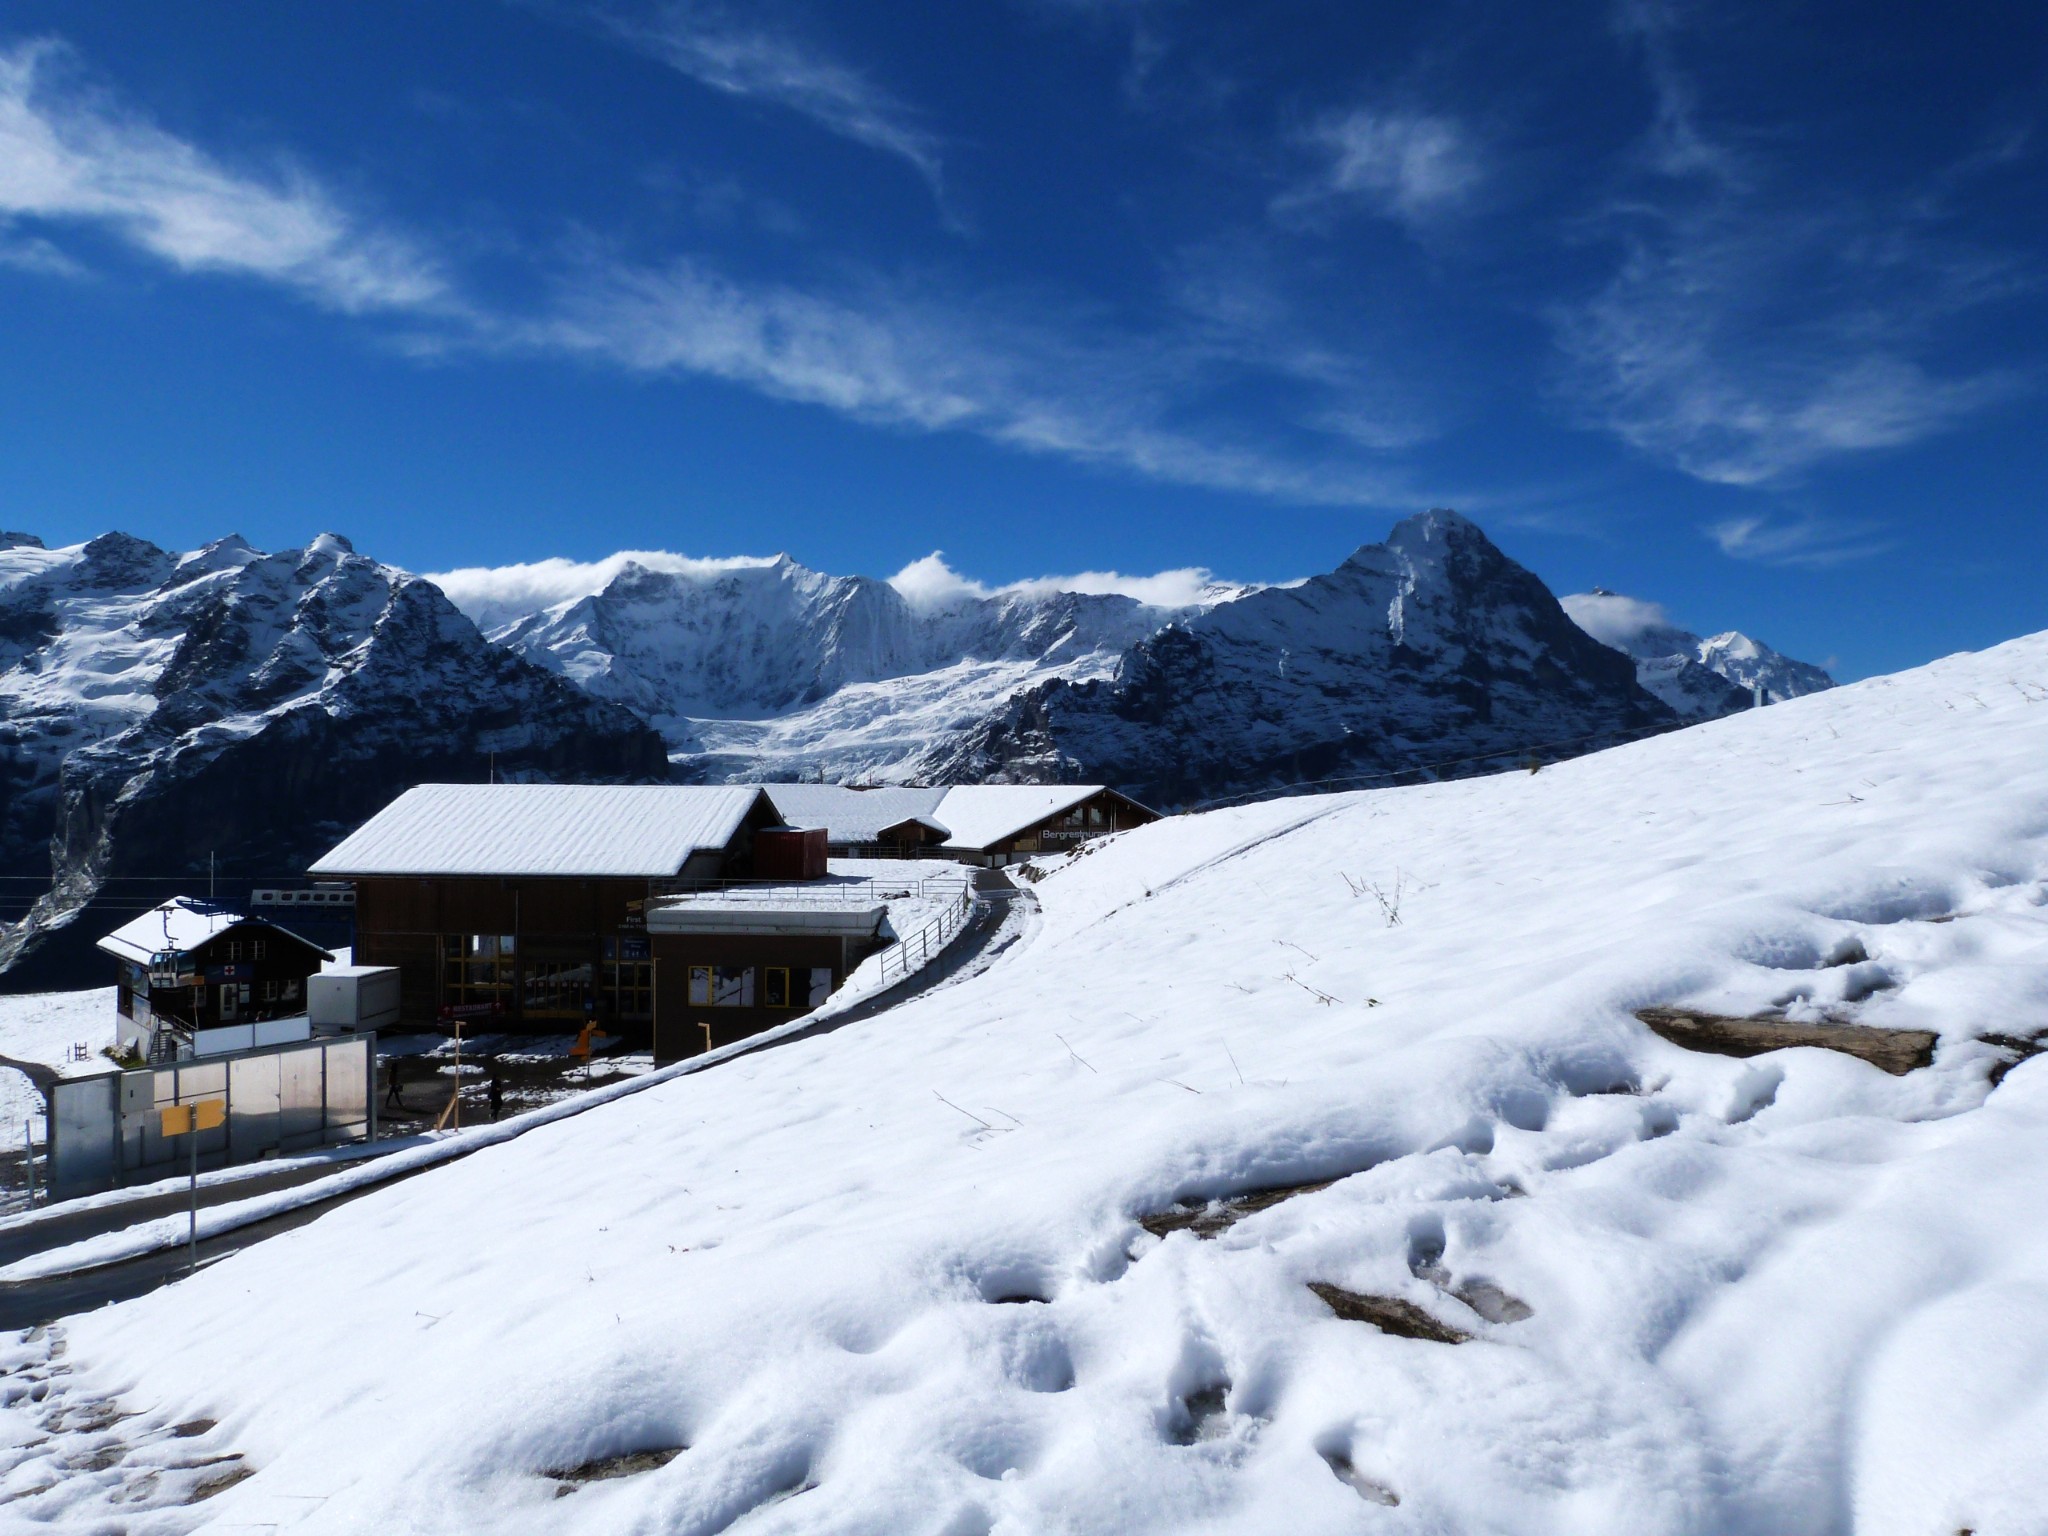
(353, 997)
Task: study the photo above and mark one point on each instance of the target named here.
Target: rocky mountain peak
(1700, 678)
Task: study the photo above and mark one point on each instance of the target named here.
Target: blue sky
(1738, 308)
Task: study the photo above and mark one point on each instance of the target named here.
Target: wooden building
(528, 906)
(196, 978)
(986, 824)
(735, 962)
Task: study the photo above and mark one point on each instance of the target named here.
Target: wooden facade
(1100, 814)
(249, 973)
(713, 989)
(552, 954)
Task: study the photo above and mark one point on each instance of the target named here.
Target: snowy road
(102, 1252)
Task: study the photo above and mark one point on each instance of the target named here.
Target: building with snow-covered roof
(989, 824)
(196, 977)
(526, 904)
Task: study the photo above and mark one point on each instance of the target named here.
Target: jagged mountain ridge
(1698, 677)
(157, 707)
(763, 640)
(160, 711)
(777, 671)
(1432, 648)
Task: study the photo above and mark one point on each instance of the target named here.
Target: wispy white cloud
(33, 253)
(739, 55)
(1612, 619)
(935, 364)
(1020, 371)
(495, 595)
(1412, 167)
(1753, 329)
(1798, 541)
(932, 583)
(69, 155)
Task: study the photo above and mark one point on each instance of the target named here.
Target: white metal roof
(852, 815)
(543, 829)
(180, 926)
(982, 814)
(972, 816)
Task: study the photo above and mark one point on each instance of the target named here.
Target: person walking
(497, 1091)
(393, 1098)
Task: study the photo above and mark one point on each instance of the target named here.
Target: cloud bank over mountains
(493, 596)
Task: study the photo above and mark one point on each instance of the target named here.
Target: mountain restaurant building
(527, 906)
(985, 824)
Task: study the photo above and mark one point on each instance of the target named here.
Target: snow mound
(1306, 1170)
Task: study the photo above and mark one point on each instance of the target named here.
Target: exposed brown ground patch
(1897, 1051)
(1389, 1314)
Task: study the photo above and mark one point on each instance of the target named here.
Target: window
(478, 969)
(234, 950)
(722, 986)
(821, 984)
(291, 990)
(256, 948)
(629, 976)
(270, 991)
(555, 981)
(775, 991)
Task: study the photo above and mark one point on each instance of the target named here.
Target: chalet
(986, 824)
(197, 979)
(534, 906)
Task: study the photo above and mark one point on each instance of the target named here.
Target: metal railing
(915, 952)
(861, 891)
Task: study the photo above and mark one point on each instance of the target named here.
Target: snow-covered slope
(1432, 648)
(893, 1278)
(159, 709)
(1699, 678)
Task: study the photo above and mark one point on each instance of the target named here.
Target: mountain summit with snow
(160, 713)
(1699, 678)
(1431, 651)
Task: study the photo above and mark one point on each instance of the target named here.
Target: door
(230, 994)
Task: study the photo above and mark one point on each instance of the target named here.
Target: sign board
(199, 1115)
(471, 1010)
(238, 971)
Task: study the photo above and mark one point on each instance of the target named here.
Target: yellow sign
(199, 1115)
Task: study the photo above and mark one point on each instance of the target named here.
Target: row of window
(779, 986)
(488, 969)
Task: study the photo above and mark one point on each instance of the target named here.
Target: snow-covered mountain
(1699, 678)
(158, 710)
(775, 671)
(1432, 648)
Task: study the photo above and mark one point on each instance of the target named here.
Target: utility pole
(209, 874)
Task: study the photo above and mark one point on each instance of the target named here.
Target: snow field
(43, 1027)
(1767, 1295)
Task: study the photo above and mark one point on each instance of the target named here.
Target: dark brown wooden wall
(679, 1028)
